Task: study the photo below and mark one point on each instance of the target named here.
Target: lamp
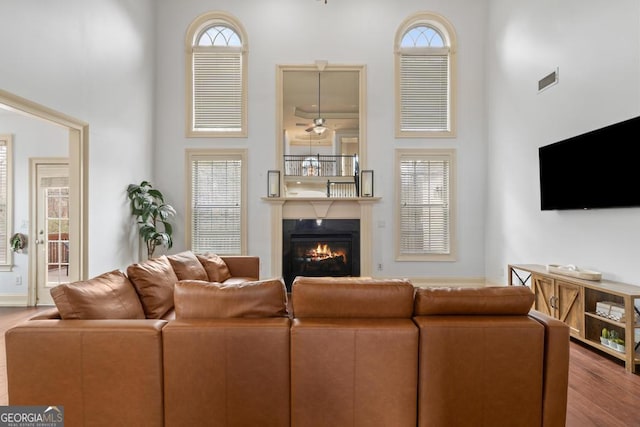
(366, 183)
(273, 183)
(318, 126)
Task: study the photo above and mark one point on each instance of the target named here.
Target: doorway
(50, 185)
(78, 177)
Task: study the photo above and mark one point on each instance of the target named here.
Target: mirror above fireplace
(319, 162)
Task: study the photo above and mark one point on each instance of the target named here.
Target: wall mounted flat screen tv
(598, 169)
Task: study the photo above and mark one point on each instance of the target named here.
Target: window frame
(447, 31)
(197, 27)
(217, 154)
(427, 154)
(7, 264)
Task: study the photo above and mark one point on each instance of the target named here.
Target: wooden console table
(573, 300)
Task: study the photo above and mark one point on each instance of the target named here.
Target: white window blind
(217, 89)
(216, 205)
(424, 205)
(424, 92)
(4, 201)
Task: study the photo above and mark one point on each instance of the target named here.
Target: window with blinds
(424, 77)
(216, 199)
(6, 186)
(424, 93)
(425, 204)
(217, 77)
(217, 91)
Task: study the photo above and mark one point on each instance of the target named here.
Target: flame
(323, 251)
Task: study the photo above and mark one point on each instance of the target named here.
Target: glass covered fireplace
(322, 247)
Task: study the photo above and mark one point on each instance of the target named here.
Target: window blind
(216, 195)
(217, 89)
(424, 92)
(4, 180)
(424, 206)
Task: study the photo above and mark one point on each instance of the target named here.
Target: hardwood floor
(10, 316)
(601, 393)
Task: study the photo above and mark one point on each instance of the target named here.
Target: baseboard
(10, 300)
(424, 282)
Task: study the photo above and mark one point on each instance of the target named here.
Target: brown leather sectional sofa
(336, 352)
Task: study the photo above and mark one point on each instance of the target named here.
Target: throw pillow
(217, 270)
(108, 296)
(154, 280)
(187, 266)
(490, 300)
(201, 300)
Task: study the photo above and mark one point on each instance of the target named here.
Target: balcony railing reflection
(320, 165)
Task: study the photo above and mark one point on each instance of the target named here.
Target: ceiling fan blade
(309, 129)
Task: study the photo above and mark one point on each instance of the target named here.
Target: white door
(52, 229)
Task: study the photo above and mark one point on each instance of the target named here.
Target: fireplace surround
(360, 208)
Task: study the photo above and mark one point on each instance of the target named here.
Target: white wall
(119, 64)
(596, 47)
(93, 61)
(342, 32)
(31, 138)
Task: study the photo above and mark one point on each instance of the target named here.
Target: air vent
(548, 80)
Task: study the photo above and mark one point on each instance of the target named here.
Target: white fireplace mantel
(322, 208)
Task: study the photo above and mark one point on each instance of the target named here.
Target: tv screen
(598, 169)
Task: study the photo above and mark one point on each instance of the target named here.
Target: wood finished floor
(601, 392)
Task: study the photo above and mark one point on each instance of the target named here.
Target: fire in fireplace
(320, 248)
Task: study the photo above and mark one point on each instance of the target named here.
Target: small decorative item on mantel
(366, 183)
(273, 183)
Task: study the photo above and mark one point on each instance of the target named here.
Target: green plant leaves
(152, 215)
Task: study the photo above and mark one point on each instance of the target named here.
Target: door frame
(34, 186)
(78, 178)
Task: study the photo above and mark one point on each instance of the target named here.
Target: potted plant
(152, 215)
(613, 339)
(604, 338)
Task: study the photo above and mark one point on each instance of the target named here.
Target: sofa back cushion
(108, 296)
(187, 266)
(154, 280)
(206, 300)
(216, 268)
(355, 297)
(490, 300)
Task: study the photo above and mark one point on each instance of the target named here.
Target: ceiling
(339, 101)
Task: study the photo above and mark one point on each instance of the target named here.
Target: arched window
(425, 49)
(216, 76)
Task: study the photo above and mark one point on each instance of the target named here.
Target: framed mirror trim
(362, 107)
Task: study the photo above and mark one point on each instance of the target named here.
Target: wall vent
(548, 80)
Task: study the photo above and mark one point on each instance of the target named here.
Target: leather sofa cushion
(154, 280)
(490, 300)
(108, 296)
(355, 297)
(187, 266)
(216, 268)
(205, 300)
